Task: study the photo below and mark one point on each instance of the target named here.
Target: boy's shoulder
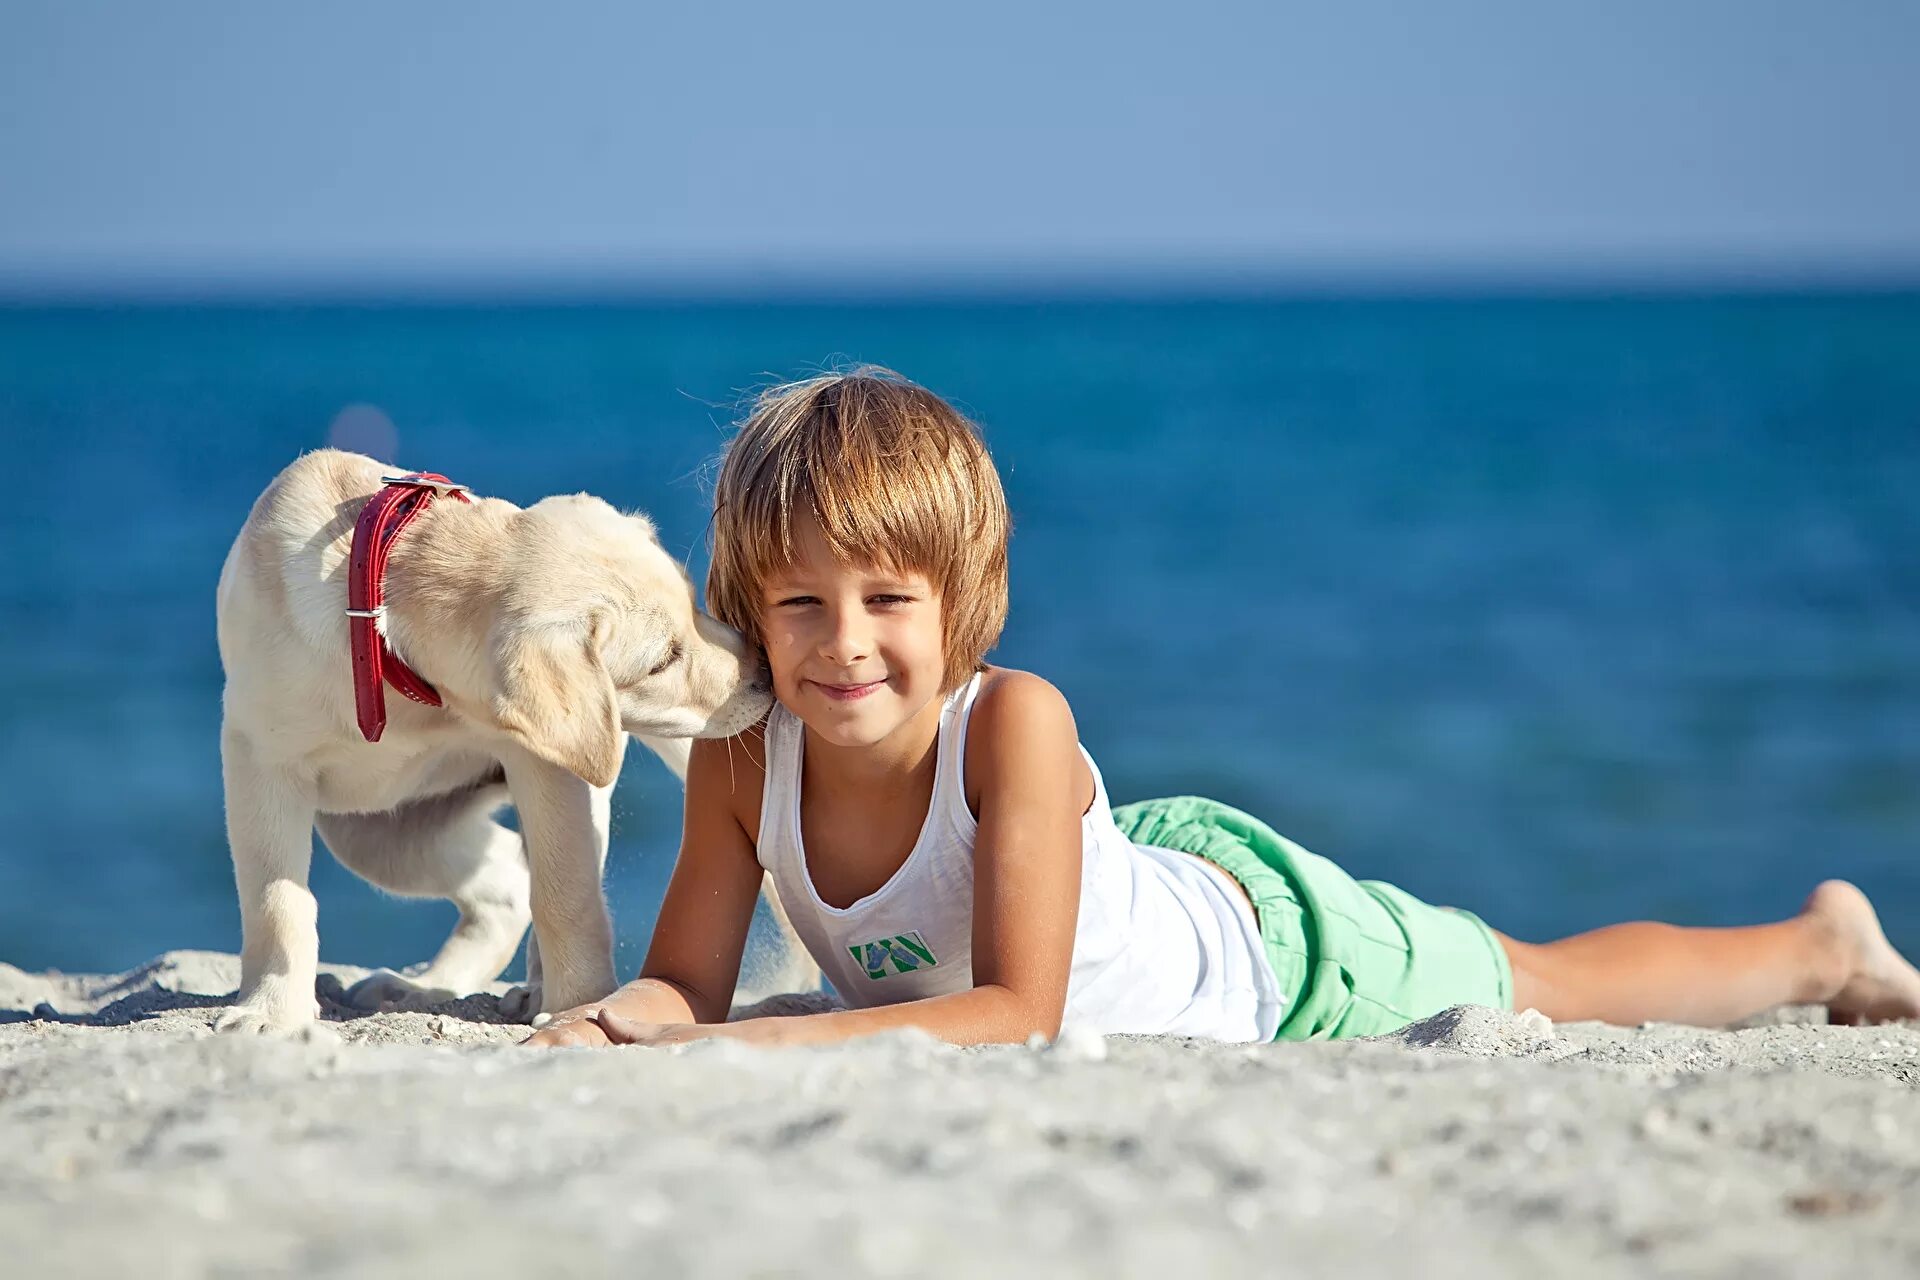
(1017, 718)
(1015, 704)
(1006, 688)
(738, 767)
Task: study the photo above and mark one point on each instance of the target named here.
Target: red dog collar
(381, 520)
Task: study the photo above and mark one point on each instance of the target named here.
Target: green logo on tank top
(906, 952)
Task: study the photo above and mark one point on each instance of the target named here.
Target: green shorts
(1354, 957)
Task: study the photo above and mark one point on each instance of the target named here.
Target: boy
(945, 849)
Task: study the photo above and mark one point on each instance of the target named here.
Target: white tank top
(1165, 944)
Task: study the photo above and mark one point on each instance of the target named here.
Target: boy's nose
(847, 642)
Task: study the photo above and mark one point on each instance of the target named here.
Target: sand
(134, 1141)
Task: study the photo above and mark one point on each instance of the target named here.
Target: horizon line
(949, 285)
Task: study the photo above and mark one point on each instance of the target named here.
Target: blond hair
(893, 474)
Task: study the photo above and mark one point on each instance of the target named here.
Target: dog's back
(285, 577)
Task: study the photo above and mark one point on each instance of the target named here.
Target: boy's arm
(1024, 756)
(694, 959)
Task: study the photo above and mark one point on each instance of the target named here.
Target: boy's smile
(849, 692)
(856, 651)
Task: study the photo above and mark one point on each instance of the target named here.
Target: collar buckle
(423, 480)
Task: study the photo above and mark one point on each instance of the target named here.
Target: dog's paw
(385, 990)
(520, 1004)
(330, 990)
(263, 1019)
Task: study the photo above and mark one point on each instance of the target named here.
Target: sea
(1568, 610)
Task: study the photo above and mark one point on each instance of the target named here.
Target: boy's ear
(552, 692)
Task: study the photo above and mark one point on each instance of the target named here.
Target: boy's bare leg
(1832, 953)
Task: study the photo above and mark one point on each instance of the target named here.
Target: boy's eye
(883, 598)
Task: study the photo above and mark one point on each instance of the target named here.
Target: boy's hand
(575, 1028)
(645, 1011)
(615, 1029)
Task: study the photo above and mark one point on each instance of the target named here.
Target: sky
(195, 146)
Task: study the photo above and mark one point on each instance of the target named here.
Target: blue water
(1569, 611)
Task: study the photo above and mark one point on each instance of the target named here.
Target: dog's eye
(674, 654)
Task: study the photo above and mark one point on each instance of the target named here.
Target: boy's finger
(621, 1030)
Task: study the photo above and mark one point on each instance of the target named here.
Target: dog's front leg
(564, 821)
(270, 832)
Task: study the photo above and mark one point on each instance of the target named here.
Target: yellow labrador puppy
(548, 634)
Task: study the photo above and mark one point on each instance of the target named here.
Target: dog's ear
(552, 692)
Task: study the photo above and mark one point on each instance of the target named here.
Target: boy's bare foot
(1879, 985)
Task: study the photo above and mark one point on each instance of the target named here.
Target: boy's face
(856, 651)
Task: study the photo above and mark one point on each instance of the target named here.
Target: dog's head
(595, 635)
